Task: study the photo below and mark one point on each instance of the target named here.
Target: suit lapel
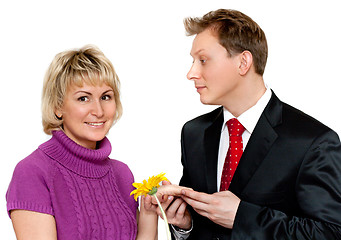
(258, 146)
(211, 146)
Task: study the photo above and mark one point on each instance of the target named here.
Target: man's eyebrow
(197, 52)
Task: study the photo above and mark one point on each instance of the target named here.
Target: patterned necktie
(234, 152)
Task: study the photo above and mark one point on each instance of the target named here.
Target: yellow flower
(148, 187)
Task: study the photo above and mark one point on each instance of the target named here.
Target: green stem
(164, 218)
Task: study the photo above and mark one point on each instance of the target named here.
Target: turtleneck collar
(93, 163)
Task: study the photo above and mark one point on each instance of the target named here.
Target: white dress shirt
(249, 120)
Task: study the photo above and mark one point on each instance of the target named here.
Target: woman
(69, 188)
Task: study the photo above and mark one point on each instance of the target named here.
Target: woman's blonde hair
(75, 67)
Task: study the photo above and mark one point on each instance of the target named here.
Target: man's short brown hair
(236, 32)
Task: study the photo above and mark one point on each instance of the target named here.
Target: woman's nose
(98, 109)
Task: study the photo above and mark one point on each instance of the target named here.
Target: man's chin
(206, 101)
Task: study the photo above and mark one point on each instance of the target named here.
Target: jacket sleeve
(318, 192)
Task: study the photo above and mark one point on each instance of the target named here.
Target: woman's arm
(30, 225)
(147, 222)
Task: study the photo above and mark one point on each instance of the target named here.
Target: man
(279, 177)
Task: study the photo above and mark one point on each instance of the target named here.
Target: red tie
(234, 152)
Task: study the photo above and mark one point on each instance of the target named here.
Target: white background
(146, 42)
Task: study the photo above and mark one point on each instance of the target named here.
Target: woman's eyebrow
(82, 91)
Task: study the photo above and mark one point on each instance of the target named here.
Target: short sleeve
(28, 189)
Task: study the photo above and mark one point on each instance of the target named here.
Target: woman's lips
(95, 124)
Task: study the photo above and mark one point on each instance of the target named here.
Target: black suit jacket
(288, 178)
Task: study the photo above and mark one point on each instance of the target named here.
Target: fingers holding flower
(150, 187)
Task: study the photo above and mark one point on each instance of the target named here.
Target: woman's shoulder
(120, 168)
(36, 162)
(33, 169)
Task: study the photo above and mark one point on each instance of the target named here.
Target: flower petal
(147, 186)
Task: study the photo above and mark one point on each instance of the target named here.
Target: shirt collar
(250, 117)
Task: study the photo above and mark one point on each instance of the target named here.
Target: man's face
(215, 74)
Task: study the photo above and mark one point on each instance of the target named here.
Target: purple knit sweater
(86, 192)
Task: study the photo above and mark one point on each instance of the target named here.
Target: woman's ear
(246, 61)
(58, 114)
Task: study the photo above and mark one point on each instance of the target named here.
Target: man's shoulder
(205, 119)
(196, 128)
(294, 115)
(291, 117)
(303, 124)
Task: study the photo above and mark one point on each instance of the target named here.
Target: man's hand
(174, 207)
(220, 207)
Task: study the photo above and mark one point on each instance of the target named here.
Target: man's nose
(193, 72)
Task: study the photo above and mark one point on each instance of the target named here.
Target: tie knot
(235, 127)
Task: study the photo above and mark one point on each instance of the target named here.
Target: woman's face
(88, 112)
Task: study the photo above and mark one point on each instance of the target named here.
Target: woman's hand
(147, 222)
(174, 206)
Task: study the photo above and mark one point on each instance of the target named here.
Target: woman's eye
(83, 99)
(202, 60)
(106, 97)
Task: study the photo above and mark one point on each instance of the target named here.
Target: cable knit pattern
(88, 192)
